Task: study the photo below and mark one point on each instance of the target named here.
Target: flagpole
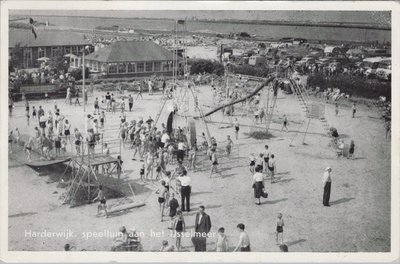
(83, 80)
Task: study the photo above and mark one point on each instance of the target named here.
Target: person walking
(258, 185)
(244, 241)
(186, 190)
(285, 124)
(354, 110)
(327, 182)
(202, 228)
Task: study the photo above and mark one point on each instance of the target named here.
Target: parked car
(370, 65)
(384, 70)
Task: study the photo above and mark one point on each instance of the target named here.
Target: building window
(121, 68)
(41, 52)
(28, 57)
(157, 66)
(131, 67)
(67, 50)
(53, 51)
(112, 68)
(140, 67)
(166, 65)
(149, 66)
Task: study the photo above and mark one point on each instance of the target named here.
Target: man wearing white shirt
(327, 181)
(185, 191)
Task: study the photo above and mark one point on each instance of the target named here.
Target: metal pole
(305, 133)
(83, 80)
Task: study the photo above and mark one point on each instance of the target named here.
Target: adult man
(326, 181)
(130, 102)
(202, 228)
(185, 191)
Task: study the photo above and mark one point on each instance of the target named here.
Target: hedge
(353, 85)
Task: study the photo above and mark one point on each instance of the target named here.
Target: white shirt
(164, 138)
(181, 146)
(271, 163)
(185, 180)
(258, 177)
(200, 217)
(326, 177)
(266, 153)
(244, 240)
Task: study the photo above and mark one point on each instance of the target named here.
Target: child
(285, 124)
(96, 106)
(46, 96)
(279, 229)
(272, 167)
(351, 150)
(33, 112)
(252, 164)
(336, 109)
(192, 159)
(214, 163)
(27, 112)
(142, 172)
(122, 106)
(260, 162)
(57, 144)
(149, 165)
(180, 227)
(106, 151)
(162, 193)
(119, 166)
(102, 198)
(222, 241)
(64, 145)
(28, 148)
(354, 109)
(229, 146)
(17, 135)
(236, 128)
(102, 119)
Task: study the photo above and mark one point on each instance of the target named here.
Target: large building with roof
(131, 59)
(46, 45)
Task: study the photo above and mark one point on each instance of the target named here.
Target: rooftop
(127, 51)
(45, 38)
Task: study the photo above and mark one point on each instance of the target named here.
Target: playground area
(358, 219)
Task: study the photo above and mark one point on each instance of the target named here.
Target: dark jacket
(205, 223)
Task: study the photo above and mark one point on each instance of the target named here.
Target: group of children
(265, 162)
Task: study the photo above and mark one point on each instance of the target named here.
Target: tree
(58, 62)
(17, 59)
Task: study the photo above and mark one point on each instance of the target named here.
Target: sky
(313, 16)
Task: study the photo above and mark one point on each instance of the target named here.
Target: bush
(208, 66)
(77, 73)
(353, 85)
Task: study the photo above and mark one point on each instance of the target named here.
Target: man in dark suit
(202, 228)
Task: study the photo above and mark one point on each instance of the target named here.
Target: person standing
(336, 109)
(244, 241)
(327, 181)
(354, 109)
(130, 103)
(202, 228)
(186, 190)
(236, 128)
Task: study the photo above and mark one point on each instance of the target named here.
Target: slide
(242, 99)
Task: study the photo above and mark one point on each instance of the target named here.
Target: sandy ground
(358, 220)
